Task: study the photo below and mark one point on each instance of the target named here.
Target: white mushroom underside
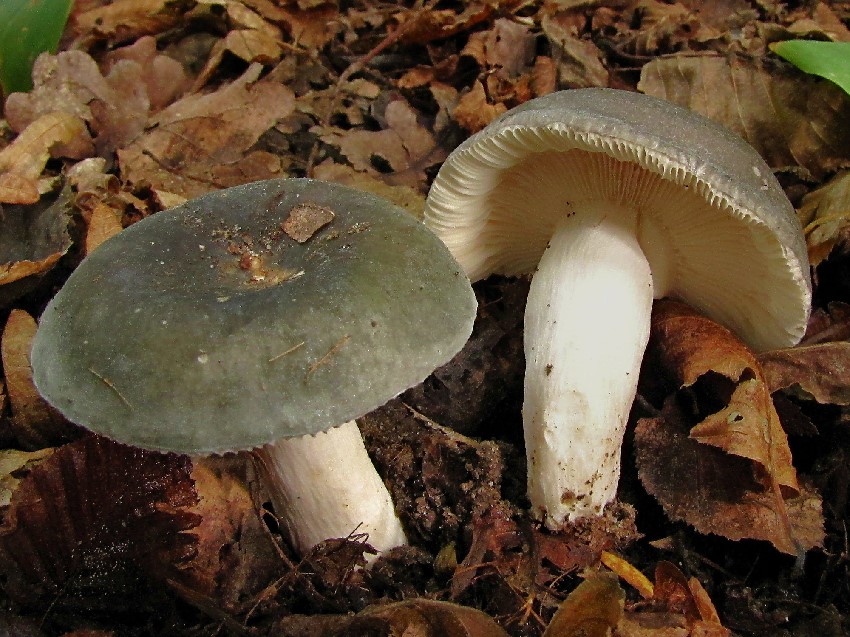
(325, 486)
(497, 218)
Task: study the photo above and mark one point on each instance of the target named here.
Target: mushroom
(613, 198)
(267, 316)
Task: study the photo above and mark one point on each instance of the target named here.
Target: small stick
(111, 386)
(324, 359)
(289, 351)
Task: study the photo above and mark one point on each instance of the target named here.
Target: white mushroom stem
(325, 486)
(586, 328)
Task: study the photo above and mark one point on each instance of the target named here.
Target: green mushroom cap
(275, 309)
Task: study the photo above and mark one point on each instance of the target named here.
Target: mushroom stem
(586, 328)
(325, 486)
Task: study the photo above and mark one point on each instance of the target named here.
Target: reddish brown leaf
(720, 493)
(474, 112)
(821, 372)
(236, 557)
(684, 348)
(105, 222)
(90, 524)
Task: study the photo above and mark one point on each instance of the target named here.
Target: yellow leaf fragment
(628, 573)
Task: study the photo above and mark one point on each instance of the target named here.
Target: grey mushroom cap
(725, 237)
(208, 328)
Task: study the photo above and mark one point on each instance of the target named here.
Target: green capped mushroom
(267, 316)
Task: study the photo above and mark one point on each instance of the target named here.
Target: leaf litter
(150, 103)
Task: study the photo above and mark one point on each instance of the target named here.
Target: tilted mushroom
(613, 198)
(249, 318)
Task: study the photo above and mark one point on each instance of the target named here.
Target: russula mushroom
(267, 316)
(613, 198)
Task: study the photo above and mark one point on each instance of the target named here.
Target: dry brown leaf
(251, 45)
(198, 133)
(165, 79)
(791, 118)
(33, 238)
(404, 196)
(578, 62)
(473, 112)
(104, 223)
(825, 214)
(126, 20)
(422, 618)
(719, 493)
(437, 24)
(685, 347)
(235, 557)
(57, 134)
(402, 150)
(17, 189)
(116, 106)
(92, 523)
(820, 372)
(592, 609)
(36, 425)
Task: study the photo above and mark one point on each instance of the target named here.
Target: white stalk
(325, 486)
(586, 328)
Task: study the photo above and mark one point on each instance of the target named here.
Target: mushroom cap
(715, 225)
(208, 328)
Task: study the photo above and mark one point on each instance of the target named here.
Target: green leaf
(830, 60)
(27, 28)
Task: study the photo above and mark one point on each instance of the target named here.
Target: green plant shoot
(830, 60)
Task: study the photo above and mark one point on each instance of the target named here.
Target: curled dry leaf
(57, 134)
(126, 20)
(235, 557)
(91, 524)
(719, 493)
(819, 372)
(36, 424)
(192, 137)
(104, 223)
(744, 487)
(825, 214)
(421, 618)
(593, 609)
(804, 124)
(32, 240)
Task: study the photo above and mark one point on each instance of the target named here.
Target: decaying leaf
(791, 119)
(821, 372)
(593, 609)
(473, 112)
(235, 557)
(719, 493)
(721, 463)
(33, 238)
(104, 222)
(12, 462)
(57, 133)
(35, 424)
(825, 214)
(421, 618)
(125, 20)
(192, 137)
(116, 105)
(686, 347)
(90, 525)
